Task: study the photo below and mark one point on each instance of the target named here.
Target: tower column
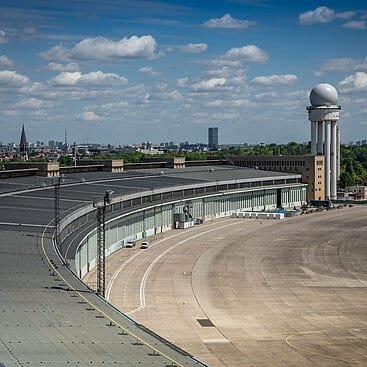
(313, 137)
(333, 154)
(320, 149)
(325, 112)
(327, 159)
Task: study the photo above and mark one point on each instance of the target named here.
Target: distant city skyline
(123, 72)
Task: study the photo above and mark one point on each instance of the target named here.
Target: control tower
(324, 115)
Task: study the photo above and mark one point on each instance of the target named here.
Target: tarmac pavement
(239, 292)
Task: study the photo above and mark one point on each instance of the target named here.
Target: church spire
(23, 145)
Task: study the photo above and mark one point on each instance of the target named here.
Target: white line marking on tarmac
(121, 267)
(150, 267)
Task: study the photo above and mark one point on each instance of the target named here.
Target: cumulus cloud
(12, 79)
(224, 63)
(6, 62)
(323, 14)
(95, 78)
(249, 53)
(89, 116)
(54, 66)
(166, 95)
(275, 79)
(267, 95)
(208, 85)
(34, 103)
(230, 103)
(115, 105)
(354, 83)
(103, 49)
(344, 64)
(225, 72)
(353, 24)
(228, 22)
(192, 48)
(3, 37)
(182, 82)
(150, 71)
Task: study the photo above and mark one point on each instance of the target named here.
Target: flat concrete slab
(275, 293)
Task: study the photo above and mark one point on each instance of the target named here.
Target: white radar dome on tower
(323, 94)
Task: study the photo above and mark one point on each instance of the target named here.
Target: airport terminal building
(42, 298)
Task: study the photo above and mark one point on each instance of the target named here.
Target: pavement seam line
(150, 267)
(316, 353)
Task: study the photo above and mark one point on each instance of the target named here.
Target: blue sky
(125, 72)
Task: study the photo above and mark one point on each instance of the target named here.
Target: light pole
(101, 244)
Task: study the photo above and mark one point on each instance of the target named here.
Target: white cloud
(115, 105)
(353, 24)
(231, 103)
(192, 48)
(166, 95)
(6, 62)
(12, 79)
(34, 103)
(222, 63)
(95, 78)
(228, 22)
(3, 38)
(224, 72)
(354, 83)
(323, 14)
(66, 78)
(89, 116)
(182, 82)
(208, 85)
(275, 79)
(150, 71)
(344, 64)
(54, 66)
(345, 15)
(267, 95)
(56, 54)
(103, 49)
(226, 116)
(250, 53)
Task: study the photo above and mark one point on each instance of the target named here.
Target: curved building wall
(159, 218)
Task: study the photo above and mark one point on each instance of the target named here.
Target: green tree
(66, 160)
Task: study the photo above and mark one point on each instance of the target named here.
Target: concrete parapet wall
(77, 169)
(18, 173)
(169, 162)
(144, 165)
(207, 162)
(108, 165)
(46, 169)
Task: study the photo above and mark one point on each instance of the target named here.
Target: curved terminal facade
(147, 214)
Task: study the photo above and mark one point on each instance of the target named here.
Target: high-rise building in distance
(213, 138)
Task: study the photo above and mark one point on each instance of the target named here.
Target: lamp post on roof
(101, 243)
(324, 115)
